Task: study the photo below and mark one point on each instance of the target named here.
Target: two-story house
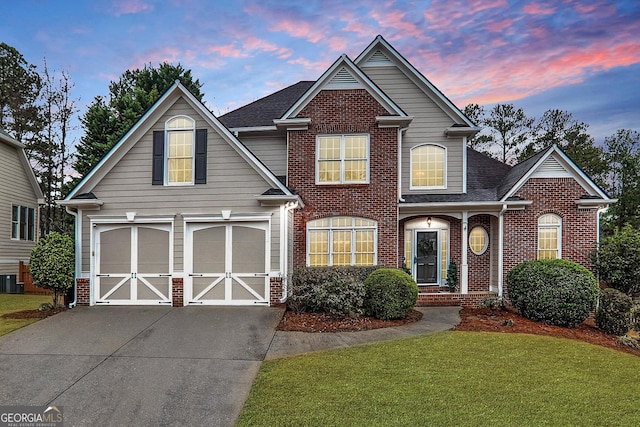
(20, 197)
(367, 165)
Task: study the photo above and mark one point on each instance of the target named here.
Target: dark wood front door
(427, 257)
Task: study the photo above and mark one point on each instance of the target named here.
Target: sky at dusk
(579, 56)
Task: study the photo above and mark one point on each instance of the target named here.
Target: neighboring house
(366, 165)
(20, 197)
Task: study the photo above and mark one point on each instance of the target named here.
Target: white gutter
(600, 211)
(78, 255)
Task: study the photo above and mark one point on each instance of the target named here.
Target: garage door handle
(195, 275)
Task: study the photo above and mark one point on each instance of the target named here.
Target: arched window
(478, 240)
(341, 240)
(428, 167)
(180, 142)
(549, 237)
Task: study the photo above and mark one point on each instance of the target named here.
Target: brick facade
(480, 276)
(549, 195)
(83, 292)
(346, 112)
(275, 291)
(177, 292)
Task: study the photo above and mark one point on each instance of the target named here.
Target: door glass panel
(209, 250)
(115, 251)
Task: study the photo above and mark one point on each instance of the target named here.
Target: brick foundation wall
(177, 292)
(556, 196)
(83, 291)
(446, 299)
(346, 112)
(275, 290)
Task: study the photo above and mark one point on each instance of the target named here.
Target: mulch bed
(33, 314)
(322, 322)
(483, 320)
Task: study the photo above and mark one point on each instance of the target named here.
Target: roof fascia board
(576, 172)
(369, 85)
(116, 148)
(417, 77)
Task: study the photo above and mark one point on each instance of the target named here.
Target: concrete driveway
(139, 365)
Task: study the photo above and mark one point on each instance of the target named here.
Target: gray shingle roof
(517, 172)
(264, 110)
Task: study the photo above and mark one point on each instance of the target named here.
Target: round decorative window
(478, 240)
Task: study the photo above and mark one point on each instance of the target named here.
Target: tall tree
(480, 141)
(20, 86)
(510, 128)
(105, 122)
(559, 127)
(623, 153)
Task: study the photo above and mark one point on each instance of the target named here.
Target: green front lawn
(10, 303)
(450, 378)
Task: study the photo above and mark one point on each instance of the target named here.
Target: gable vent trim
(551, 168)
(343, 80)
(378, 59)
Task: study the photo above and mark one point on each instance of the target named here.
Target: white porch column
(464, 270)
(500, 252)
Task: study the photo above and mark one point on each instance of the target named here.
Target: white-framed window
(549, 237)
(23, 223)
(342, 240)
(180, 145)
(342, 159)
(428, 167)
(478, 240)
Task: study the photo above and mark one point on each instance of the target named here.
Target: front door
(427, 257)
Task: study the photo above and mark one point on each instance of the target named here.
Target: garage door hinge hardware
(102, 275)
(195, 275)
(165, 275)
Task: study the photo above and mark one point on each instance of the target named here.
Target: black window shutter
(157, 174)
(201, 156)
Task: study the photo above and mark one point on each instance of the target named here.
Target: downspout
(77, 259)
(600, 211)
(501, 251)
(284, 257)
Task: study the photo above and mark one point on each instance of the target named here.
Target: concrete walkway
(434, 319)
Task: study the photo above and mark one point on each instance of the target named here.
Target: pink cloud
(129, 7)
(299, 29)
(499, 26)
(228, 51)
(253, 43)
(538, 9)
(446, 14)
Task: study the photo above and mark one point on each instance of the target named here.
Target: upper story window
(428, 167)
(341, 240)
(23, 223)
(180, 140)
(549, 237)
(342, 159)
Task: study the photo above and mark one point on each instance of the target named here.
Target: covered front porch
(433, 239)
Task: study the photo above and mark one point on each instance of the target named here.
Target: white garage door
(226, 263)
(132, 264)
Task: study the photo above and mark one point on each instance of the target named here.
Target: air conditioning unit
(8, 284)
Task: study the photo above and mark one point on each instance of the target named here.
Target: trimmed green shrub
(335, 290)
(635, 316)
(556, 292)
(494, 302)
(614, 312)
(617, 261)
(452, 276)
(391, 294)
(52, 264)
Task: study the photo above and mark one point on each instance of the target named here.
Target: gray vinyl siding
(271, 150)
(428, 126)
(15, 189)
(231, 184)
